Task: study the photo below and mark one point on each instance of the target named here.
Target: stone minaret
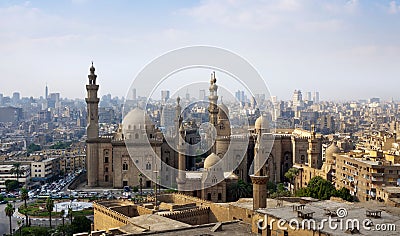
(213, 106)
(181, 180)
(314, 160)
(259, 179)
(92, 130)
(92, 102)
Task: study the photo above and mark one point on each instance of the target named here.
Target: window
(136, 136)
(125, 166)
(124, 183)
(106, 169)
(209, 196)
(219, 196)
(105, 159)
(106, 178)
(148, 166)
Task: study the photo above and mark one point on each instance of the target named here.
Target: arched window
(106, 178)
(209, 196)
(136, 136)
(125, 166)
(148, 166)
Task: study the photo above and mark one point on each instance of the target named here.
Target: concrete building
(44, 170)
(6, 173)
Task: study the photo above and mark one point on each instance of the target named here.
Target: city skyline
(343, 49)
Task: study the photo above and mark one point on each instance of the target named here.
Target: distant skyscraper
(309, 98)
(316, 97)
(297, 98)
(134, 94)
(15, 97)
(187, 96)
(202, 94)
(46, 92)
(164, 95)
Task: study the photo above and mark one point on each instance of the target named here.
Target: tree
(11, 185)
(81, 224)
(25, 197)
(49, 207)
(240, 190)
(62, 213)
(344, 194)
(291, 174)
(318, 188)
(17, 170)
(9, 212)
(33, 148)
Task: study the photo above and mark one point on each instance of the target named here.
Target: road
(4, 221)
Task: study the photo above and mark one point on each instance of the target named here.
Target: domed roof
(332, 149)
(261, 123)
(211, 160)
(223, 112)
(136, 117)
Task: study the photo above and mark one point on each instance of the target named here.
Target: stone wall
(192, 216)
(105, 218)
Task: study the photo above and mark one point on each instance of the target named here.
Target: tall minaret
(213, 106)
(181, 180)
(92, 102)
(259, 179)
(92, 131)
(314, 160)
(177, 119)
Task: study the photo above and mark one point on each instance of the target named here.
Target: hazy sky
(343, 49)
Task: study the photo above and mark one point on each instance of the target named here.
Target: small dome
(332, 149)
(223, 112)
(136, 117)
(211, 160)
(261, 123)
(232, 176)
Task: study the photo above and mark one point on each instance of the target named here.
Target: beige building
(6, 173)
(44, 170)
(363, 172)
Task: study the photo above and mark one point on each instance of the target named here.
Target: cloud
(394, 8)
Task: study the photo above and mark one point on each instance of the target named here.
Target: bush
(11, 185)
(35, 231)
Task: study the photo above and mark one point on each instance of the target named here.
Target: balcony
(377, 174)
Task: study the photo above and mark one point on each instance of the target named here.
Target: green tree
(62, 213)
(11, 185)
(344, 194)
(35, 231)
(291, 174)
(81, 224)
(25, 197)
(49, 207)
(9, 212)
(318, 188)
(17, 170)
(240, 190)
(33, 148)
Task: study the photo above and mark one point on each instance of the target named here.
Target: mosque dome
(223, 112)
(211, 160)
(136, 117)
(332, 149)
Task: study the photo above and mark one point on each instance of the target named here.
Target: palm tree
(141, 183)
(240, 190)
(49, 207)
(62, 213)
(9, 212)
(24, 197)
(291, 174)
(16, 170)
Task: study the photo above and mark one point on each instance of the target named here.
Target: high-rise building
(134, 94)
(202, 94)
(297, 98)
(15, 98)
(316, 97)
(309, 98)
(46, 92)
(164, 95)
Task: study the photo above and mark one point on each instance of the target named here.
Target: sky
(345, 49)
